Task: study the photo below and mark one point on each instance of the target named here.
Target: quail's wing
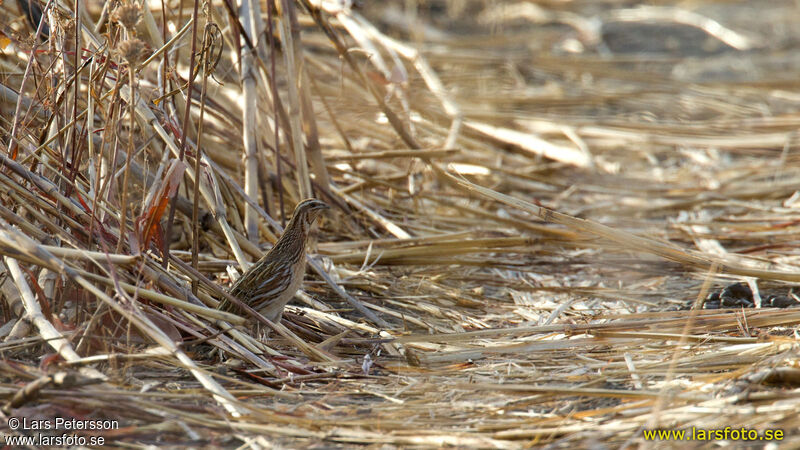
(246, 283)
(271, 287)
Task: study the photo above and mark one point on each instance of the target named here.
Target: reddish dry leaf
(377, 77)
(159, 202)
(4, 41)
(49, 359)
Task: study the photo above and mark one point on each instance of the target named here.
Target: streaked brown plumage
(274, 279)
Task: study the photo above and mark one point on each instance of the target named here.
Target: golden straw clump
(547, 220)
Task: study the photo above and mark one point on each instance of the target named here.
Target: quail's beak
(319, 208)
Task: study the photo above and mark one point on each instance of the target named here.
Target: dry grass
(531, 202)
